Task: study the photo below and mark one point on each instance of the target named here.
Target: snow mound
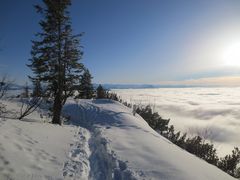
(123, 146)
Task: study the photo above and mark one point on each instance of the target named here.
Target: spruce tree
(56, 54)
(25, 93)
(86, 90)
(101, 92)
(37, 89)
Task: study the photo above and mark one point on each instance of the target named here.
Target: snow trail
(104, 164)
(78, 165)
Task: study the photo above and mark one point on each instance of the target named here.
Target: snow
(32, 150)
(102, 141)
(78, 165)
(124, 146)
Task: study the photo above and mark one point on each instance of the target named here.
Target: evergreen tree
(153, 119)
(101, 92)
(230, 163)
(56, 54)
(86, 90)
(37, 89)
(25, 93)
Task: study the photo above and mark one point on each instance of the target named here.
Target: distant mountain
(139, 86)
(14, 86)
(127, 86)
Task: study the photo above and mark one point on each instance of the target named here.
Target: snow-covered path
(103, 161)
(78, 165)
(124, 147)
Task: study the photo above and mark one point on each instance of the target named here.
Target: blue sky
(135, 41)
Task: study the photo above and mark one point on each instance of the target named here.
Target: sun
(231, 55)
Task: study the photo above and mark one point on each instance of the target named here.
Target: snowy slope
(32, 149)
(123, 146)
(103, 141)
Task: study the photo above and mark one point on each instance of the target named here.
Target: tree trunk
(57, 109)
(57, 105)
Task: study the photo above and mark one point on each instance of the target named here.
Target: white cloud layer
(213, 112)
(209, 81)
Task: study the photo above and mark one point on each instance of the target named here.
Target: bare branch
(30, 106)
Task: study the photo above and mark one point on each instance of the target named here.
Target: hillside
(126, 144)
(103, 140)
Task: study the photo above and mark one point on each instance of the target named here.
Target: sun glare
(231, 55)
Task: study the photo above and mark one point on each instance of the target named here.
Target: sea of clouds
(210, 112)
